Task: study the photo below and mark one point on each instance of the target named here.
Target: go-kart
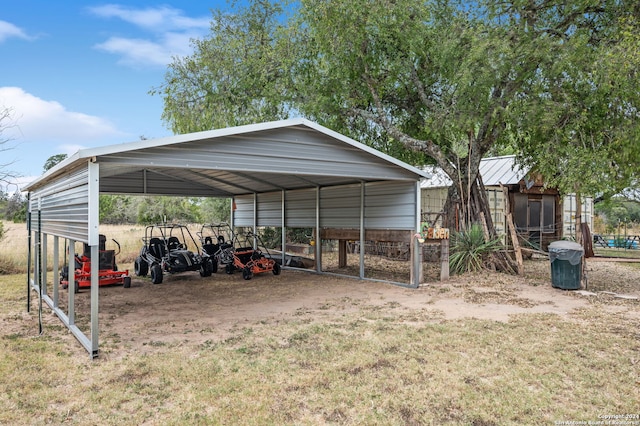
(108, 273)
(249, 258)
(166, 248)
(217, 243)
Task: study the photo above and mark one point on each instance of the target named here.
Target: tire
(214, 265)
(206, 268)
(229, 269)
(126, 282)
(156, 274)
(246, 273)
(141, 267)
(276, 268)
(77, 287)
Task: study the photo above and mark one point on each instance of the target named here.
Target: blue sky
(77, 74)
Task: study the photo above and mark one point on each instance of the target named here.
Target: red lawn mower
(108, 273)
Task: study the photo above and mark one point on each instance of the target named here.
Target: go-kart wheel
(214, 265)
(206, 268)
(246, 273)
(141, 267)
(156, 274)
(229, 269)
(276, 268)
(126, 282)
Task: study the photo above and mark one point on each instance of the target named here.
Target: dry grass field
(308, 349)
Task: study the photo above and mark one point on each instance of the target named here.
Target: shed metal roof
(494, 171)
(278, 155)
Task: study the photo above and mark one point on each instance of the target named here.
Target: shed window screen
(534, 214)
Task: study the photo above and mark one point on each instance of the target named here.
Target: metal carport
(290, 173)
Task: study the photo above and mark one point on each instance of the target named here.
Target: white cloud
(38, 120)
(138, 52)
(8, 30)
(153, 19)
(170, 34)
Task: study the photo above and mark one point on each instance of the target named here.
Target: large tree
(450, 80)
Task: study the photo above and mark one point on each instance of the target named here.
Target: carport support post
(71, 290)
(56, 270)
(94, 241)
(318, 246)
(283, 237)
(95, 286)
(44, 263)
(362, 248)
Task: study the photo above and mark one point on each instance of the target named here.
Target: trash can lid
(566, 250)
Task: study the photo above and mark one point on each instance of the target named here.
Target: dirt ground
(188, 309)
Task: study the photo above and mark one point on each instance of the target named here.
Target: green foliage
(470, 251)
(53, 160)
(618, 211)
(235, 76)
(13, 207)
(215, 210)
(117, 209)
(168, 209)
(1, 231)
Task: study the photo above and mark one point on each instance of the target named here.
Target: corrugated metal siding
(494, 171)
(270, 209)
(300, 209)
(390, 205)
(569, 208)
(64, 207)
(243, 213)
(340, 207)
(294, 151)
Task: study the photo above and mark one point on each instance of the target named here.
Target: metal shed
(291, 173)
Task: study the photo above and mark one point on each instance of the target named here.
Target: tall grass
(14, 245)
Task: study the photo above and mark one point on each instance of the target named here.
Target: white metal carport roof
(280, 155)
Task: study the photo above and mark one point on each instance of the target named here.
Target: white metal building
(291, 173)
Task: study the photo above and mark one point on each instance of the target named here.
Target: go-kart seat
(174, 243)
(209, 247)
(157, 248)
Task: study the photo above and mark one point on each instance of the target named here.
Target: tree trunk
(578, 221)
(467, 204)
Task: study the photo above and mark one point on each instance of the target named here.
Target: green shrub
(470, 250)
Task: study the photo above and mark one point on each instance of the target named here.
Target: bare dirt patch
(187, 309)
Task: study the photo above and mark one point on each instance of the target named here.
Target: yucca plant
(470, 250)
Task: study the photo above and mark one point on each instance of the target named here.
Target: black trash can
(566, 264)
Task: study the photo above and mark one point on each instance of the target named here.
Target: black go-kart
(217, 243)
(166, 249)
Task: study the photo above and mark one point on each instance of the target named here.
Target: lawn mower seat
(102, 244)
(157, 248)
(108, 260)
